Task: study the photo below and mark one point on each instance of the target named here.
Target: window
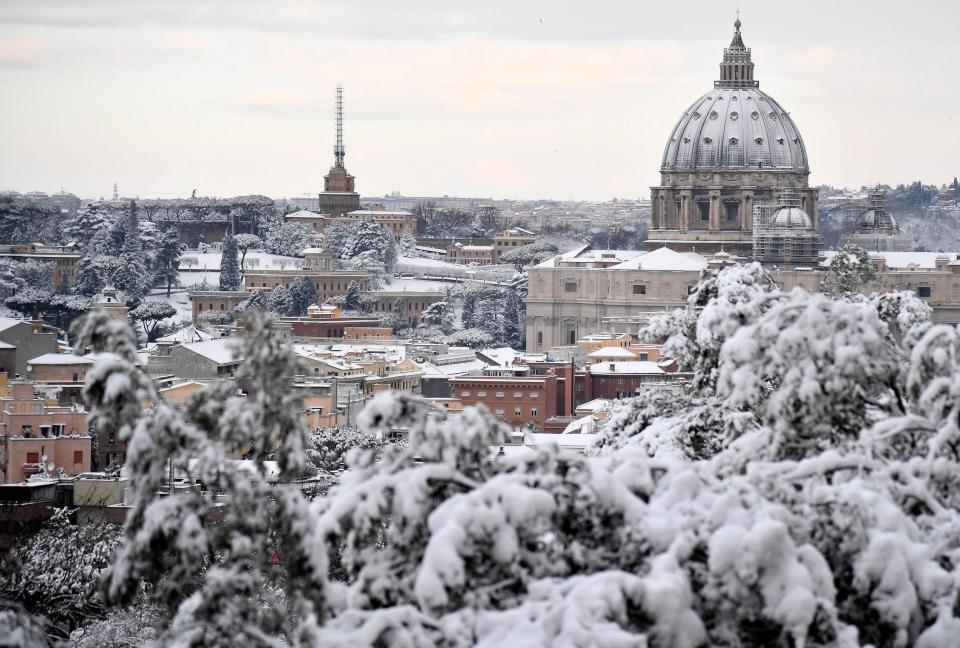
(498, 412)
(517, 411)
(578, 387)
(533, 411)
(534, 394)
(704, 210)
(481, 394)
(569, 286)
(499, 394)
(33, 457)
(644, 357)
(77, 456)
(539, 337)
(923, 291)
(639, 289)
(731, 212)
(572, 336)
(464, 394)
(518, 394)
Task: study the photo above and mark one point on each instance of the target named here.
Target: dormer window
(734, 116)
(708, 140)
(734, 140)
(758, 140)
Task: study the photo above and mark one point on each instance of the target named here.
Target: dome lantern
(736, 69)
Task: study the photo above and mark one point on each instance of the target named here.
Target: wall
(59, 451)
(29, 344)
(535, 398)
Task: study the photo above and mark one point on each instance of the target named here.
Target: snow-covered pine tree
(229, 265)
(408, 244)
(220, 581)
(89, 280)
(88, 221)
(351, 301)
(303, 294)
(281, 300)
(167, 258)
(511, 333)
(245, 243)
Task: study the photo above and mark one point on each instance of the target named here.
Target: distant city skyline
(522, 100)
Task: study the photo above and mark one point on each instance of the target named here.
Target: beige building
(585, 292)
(65, 259)
(397, 222)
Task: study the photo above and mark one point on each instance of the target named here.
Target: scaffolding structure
(783, 233)
(868, 224)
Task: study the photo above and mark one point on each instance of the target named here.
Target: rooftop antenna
(338, 151)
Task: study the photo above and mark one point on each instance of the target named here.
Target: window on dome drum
(923, 291)
(731, 212)
(639, 289)
(539, 337)
(704, 209)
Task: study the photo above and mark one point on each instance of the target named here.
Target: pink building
(32, 428)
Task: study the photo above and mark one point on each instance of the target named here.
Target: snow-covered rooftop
(660, 259)
(612, 352)
(7, 322)
(664, 259)
(4, 345)
(60, 359)
(219, 351)
(187, 334)
(627, 367)
(902, 260)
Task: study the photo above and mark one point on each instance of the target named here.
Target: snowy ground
(194, 279)
(193, 261)
(435, 268)
(415, 285)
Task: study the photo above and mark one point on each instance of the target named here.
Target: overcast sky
(518, 99)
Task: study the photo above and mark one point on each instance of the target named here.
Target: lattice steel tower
(338, 150)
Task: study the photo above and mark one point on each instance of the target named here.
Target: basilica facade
(735, 148)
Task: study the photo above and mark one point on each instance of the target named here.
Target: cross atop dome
(736, 69)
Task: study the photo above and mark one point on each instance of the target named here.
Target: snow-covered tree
(396, 318)
(439, 315)
(290, 239)
(281, 300)
(150, 314)
(88, 221)
(303, 294)
(222, 581)
(229, 265)
(31, 302)
(849, 271)
(367, 236)
(511, 332)
(473, 338)
(370, 262)
(351, 301)
(167, 259)
(245, 243)
(408, 244)
(54, 571)
(530, 254)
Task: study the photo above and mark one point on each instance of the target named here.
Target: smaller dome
(874, 219)
(791, 218)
